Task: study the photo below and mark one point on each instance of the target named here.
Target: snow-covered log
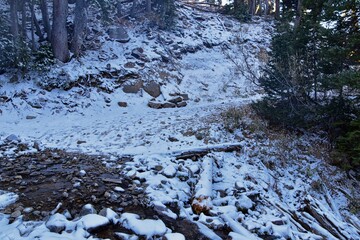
(203, 189)
(236, 227)
(200, 152)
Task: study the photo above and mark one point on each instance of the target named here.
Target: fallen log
(201, 202)
(312, 208)
(194, 154)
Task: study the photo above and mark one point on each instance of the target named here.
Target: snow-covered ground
(275, 186)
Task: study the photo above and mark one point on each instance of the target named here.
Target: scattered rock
(29, 117)
(138, 53)
(181, 104)
(80, 142)
(12, 138)
(168, 105)
(92, 222)
(119, 34)
(174, 236)
(173, 139)
(16, 214)
(176, 100)
(56, 223)
(122, 104)
(153, 89)
(155, 105)
(169, 171)
(129, 65)
(87, 209)
(133, 88)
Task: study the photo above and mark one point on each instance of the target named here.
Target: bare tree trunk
(133, 8)
(59, 32)
(23, 19)
(148, 6)
(277, 9)
(267, 7)
(35, 22)
(45, 17)
(298, 13)
(31, 6)
(79, 26)
(14, 18)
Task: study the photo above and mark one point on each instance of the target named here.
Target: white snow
(145, 227)
(249, 190)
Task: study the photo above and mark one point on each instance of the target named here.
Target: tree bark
(23, 19)
(31, 6)
(277, 9)
(59, 32)
(14, 19)
(148, 6)
(298, 13)
(79, 27)
(45, 17)
(35, 22)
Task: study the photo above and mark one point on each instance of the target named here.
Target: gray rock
(133, 88)
(228, 24)
(16, 214)
(119, 34)
(153, 89)
(122, 104)
(155, 105)
(176, 99)
(181, 104)
(12, 138)
(56, 223)
(138, 53)
(168, 105)
(87, 209)
(29, 117)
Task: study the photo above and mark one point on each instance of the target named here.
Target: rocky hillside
(150, 136)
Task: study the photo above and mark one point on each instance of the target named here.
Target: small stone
(154, 105)
(176, 99)
(29, 117)
(119, 189)
(80, 142)
(173, 139)
(82, 173)
(87, 209)
(158, 168)
(122, 104)
(12, 138)
(107, 194)
(168, 105)
(181, 104)
(16, 214)
(65, 194)
(169, 171)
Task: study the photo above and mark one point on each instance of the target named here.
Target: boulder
(118, 34)
(176, 99)
(155, 105)
(134, 87)
(168, 105)
(153, 89)
(138, 53)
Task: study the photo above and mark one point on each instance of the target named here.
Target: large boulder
(153, 89)
(118, 34)
(133, 87)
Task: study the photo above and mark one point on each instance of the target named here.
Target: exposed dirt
(46, 178)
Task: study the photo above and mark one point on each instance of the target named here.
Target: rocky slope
(164, 116)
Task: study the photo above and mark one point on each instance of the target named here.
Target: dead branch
(201, 152)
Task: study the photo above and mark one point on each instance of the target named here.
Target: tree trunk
(59, 33)
(35, 22)
(277, 9)
(79, 27)
(45, 17)
(14, 18)
(23, 19)
(298, 13)
(148, 6)
(31, 6)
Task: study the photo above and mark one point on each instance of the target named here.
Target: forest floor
(95, 152)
